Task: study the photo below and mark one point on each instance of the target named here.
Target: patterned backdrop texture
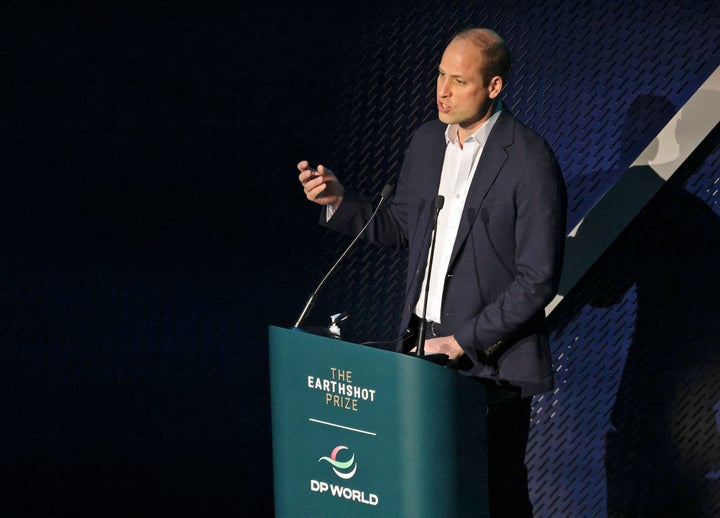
(633, 426)
(141, 259)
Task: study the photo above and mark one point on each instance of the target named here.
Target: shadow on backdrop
(663, 447)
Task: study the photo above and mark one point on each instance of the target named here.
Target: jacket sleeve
(390, 226)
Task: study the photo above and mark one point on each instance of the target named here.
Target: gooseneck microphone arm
(386, 192)
(439, 202)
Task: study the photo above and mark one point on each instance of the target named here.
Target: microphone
(439, 202)
(386, 193)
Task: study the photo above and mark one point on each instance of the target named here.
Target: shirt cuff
(329, 211)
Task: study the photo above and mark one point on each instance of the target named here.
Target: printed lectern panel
(365, 432)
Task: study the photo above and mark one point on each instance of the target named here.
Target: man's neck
(465, 132)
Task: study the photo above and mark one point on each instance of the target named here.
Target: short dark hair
(495, 52)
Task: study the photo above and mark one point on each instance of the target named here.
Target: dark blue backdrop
(152, 227)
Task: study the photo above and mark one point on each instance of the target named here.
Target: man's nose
(442, 88)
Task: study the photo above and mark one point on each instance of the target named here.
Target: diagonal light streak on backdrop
(636, 187)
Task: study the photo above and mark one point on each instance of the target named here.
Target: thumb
(324, 170)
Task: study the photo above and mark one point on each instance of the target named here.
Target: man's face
(462, 96)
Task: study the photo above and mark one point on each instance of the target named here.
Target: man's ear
(495, 87)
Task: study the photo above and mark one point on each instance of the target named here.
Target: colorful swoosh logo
(339, 467)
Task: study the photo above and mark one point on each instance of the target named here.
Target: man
(498, 255)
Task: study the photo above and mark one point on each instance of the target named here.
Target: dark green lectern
(365, 432)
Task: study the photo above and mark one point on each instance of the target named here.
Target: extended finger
(313, 182)
(307, 175)
(313, 194)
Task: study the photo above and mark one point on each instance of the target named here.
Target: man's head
(471, 75)
(494, 52)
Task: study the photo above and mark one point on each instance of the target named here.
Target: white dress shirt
(457, 175)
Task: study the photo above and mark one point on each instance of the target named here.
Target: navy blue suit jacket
(507, 256)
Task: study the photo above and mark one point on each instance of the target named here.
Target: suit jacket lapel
(432, 169)
(491, 161)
